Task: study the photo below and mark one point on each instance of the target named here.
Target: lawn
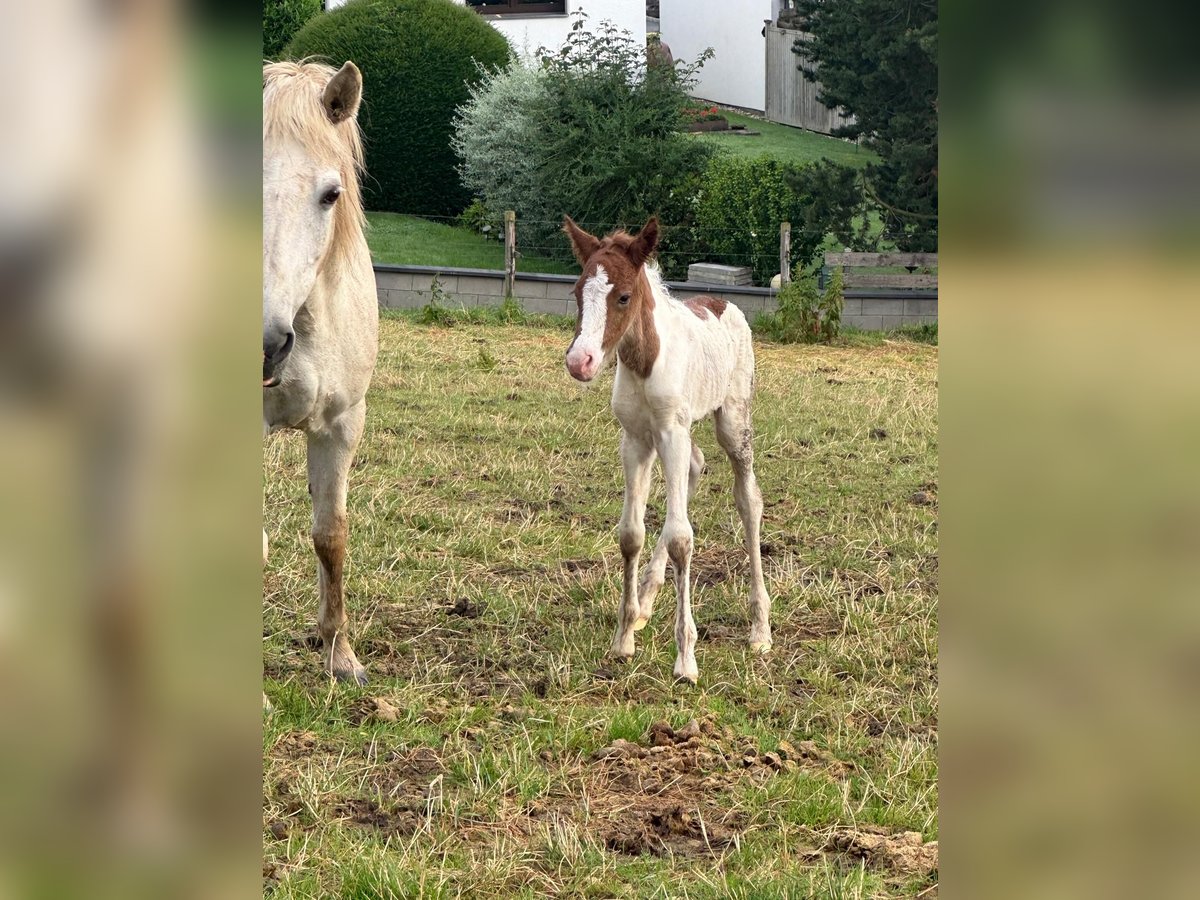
(785, 143)
(485, 756)
(410, 240)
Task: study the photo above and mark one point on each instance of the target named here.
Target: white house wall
(528, 33)
(733, 28)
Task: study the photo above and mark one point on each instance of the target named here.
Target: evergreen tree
(877, 60)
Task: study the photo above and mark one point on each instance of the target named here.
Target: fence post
(785, 253)
(510, 252)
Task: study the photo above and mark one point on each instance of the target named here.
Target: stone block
(528, 288)
(866, 323)
(481, 284)
(394, 281)
(713, 273)
(874, 306)
(920, 307)
(852, 307)
(543, 306)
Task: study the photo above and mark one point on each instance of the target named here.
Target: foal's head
(612, 295)
(312, 211)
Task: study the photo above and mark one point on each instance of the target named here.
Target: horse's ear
(582, 243)
(343, 93)
(645, 243)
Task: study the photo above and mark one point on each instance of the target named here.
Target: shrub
(281, 20)
(739, 211)
(418, 59)
(806, 315)
(590, 132)
(743, 201)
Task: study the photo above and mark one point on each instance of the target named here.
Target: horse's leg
(675, 451)
(656, 571)
(735, 436)
(637, 458)
(329, 456)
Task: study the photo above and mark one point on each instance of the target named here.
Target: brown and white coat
(677, 363)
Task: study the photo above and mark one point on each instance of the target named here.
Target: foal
(677, 362)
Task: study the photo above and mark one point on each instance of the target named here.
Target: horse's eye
(331, 196)
(623, 300)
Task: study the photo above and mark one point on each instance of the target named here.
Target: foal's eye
(330, 196)
(623, 300)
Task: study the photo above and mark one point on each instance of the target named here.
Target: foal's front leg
(329, 456)
(675, 450)
(637, 458)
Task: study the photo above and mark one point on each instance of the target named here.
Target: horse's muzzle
(277, 344)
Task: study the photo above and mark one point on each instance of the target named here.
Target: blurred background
(130, 466)
(1070, 428)
(130, 485)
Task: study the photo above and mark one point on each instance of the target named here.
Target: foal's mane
(293, 109)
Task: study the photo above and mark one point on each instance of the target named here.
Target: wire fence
(680, 245)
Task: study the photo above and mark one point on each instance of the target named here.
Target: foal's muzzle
(277, 344)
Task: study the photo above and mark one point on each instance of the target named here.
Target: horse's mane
(292, 109)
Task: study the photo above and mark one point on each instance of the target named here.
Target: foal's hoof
(685, 673)
(642, 622)
(353, 675)
(760, 646)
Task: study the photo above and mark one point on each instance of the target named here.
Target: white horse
(320, 313)
(677, 362)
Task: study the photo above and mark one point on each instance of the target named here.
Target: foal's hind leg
(656, 570)
(735, 436)
(329, 456)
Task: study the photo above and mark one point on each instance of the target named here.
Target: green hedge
(417, 58)
(742, 201)
(281, 20)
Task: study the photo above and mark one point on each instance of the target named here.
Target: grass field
(409, 240)
(485, 758)
(794, 145)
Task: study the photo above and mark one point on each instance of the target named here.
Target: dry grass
(483, 584)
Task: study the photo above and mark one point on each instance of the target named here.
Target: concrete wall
(409, 287)
(736, 75)
(528, 33)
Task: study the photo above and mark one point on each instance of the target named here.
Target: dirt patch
(296, 744)
(467, 608)
(905, 852)
(666, 793)
(369, 814)
(714, 565)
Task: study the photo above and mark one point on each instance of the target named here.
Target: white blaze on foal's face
(586, 353)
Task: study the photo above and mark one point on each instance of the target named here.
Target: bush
(281, 20)
(418, 59)
(743, 201)
(805, 315)
(590, 132)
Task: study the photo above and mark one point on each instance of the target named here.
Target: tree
(592, 132)
(877, 60)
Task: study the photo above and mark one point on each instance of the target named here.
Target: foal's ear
(582, 243)
(343, 93)
(645, 243)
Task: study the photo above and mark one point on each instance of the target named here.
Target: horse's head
(611, 294)
(312, 152)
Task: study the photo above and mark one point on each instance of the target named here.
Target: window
(518, 7)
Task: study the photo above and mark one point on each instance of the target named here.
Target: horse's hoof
(266, 704)
(760, 646)
(357, 675)
(642, 622)
(687, 673)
